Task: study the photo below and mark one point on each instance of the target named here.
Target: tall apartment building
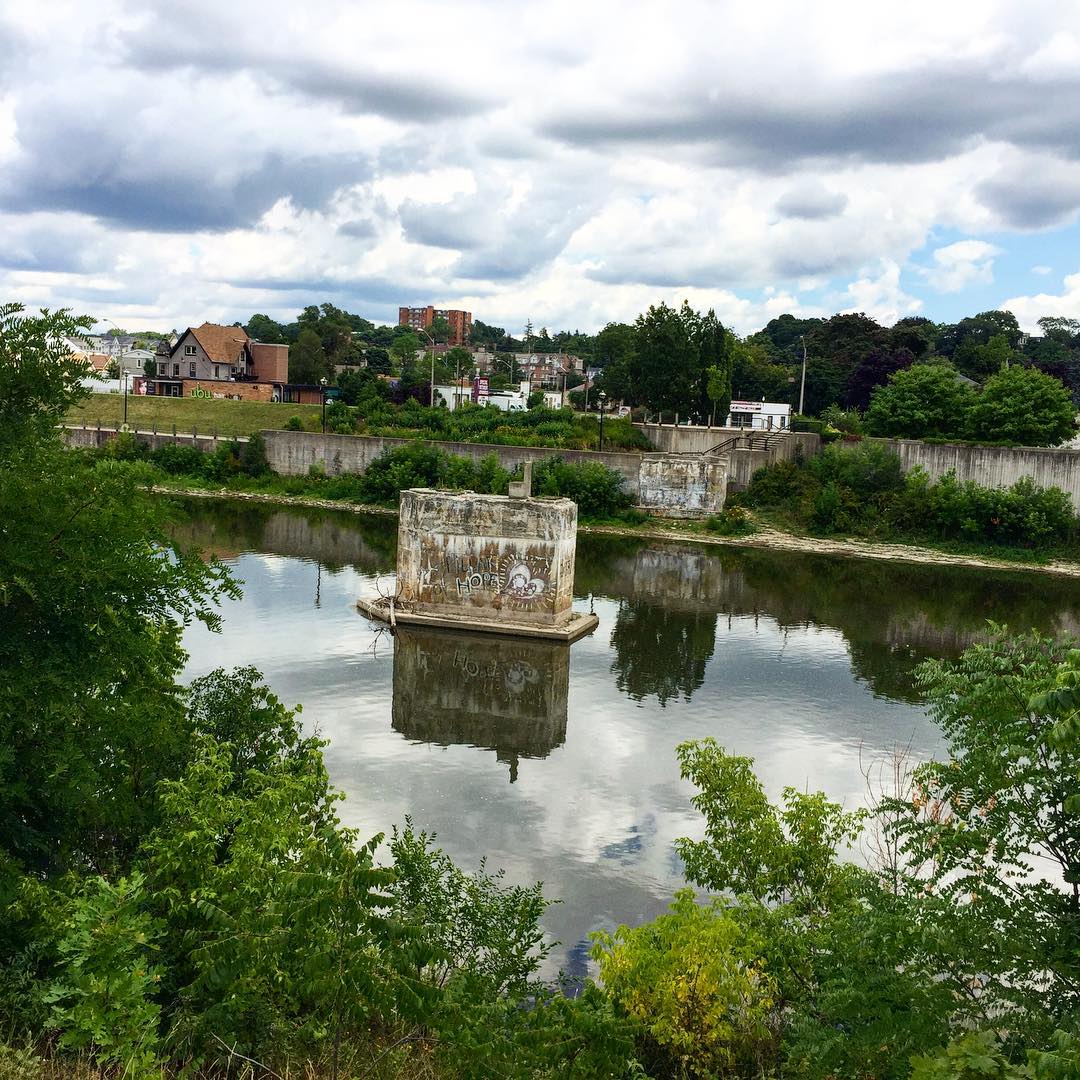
(421, 318)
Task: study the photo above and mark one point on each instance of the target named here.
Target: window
(217, 371)
(161, 369)
(189, 350)
(176, 371)
(191, 369)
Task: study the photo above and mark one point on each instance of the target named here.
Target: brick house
(224, 362)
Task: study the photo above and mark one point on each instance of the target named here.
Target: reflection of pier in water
(499, 693)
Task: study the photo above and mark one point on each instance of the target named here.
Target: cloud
(961, 264)
(812, 201)
(202, 160)
(1033, 192)
(1042, 271)
(881, 297)
(1029, 309)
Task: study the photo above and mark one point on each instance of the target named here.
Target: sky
(162, 164)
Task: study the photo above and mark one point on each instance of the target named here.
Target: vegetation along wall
(993, 466)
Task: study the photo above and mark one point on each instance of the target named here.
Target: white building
(759, 415)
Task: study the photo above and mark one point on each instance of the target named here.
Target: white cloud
(324, 155)
(1042, 271)
(880, 296)
(961, 264)
(1029, 309)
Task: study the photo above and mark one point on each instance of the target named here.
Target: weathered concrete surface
(93, 438)
(993, 466)
(487, 557)
(500, 693)
(292, 453)
(692, 439)
(683, 484)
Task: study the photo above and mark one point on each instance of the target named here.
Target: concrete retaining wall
(666, 483)
(690, 439)
(292, 453)
(993, 466)
(688, 484)
(92, 438)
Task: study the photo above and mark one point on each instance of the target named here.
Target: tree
(95, 590)
(667, 366)
(378, 359)
(871, 372)
(914, 333)
(924, 400)
(1022, 405)
(307, 361)
(716, 357)
(333, 327)
(439, 330)
(404, 349)
(836, 348)
(39, 375)
(960, 342)
(990, 837)
(263, 328)
(755, 377)
(781, 337)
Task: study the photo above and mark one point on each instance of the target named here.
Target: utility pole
(802, 385)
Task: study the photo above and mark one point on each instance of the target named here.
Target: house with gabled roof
(212, 360)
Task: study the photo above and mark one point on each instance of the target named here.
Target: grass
(205, 415)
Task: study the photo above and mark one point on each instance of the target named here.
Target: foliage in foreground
(176, 887)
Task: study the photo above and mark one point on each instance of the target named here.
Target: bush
(731, 521)
(178, 460)
(294, 423)
(861, 489)
(694, 982)
(597, 490)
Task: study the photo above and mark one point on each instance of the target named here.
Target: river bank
(685, 532)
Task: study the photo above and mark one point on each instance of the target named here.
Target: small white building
(759, 415)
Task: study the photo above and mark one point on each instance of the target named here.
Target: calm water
(559, 765)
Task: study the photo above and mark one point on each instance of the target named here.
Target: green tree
(263, 328)
(404, 349)
(989, 838)
(439, 330)
(667, 365)
(1023, 405)
(307, 360)
(921, 401)
(755, 377)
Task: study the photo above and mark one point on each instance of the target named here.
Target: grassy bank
(557, 428)
(204, 415)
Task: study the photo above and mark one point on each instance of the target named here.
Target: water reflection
(802, 662)
(500, 693)
(892, 615)
(661, 651)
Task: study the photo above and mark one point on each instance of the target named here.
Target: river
(558, 764)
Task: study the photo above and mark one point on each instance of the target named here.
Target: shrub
(178, 460)
(103, 999)
(253, 456)
(597, 490)
(694, 981)
(781, 484)
(294, 423)
(731, 521)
